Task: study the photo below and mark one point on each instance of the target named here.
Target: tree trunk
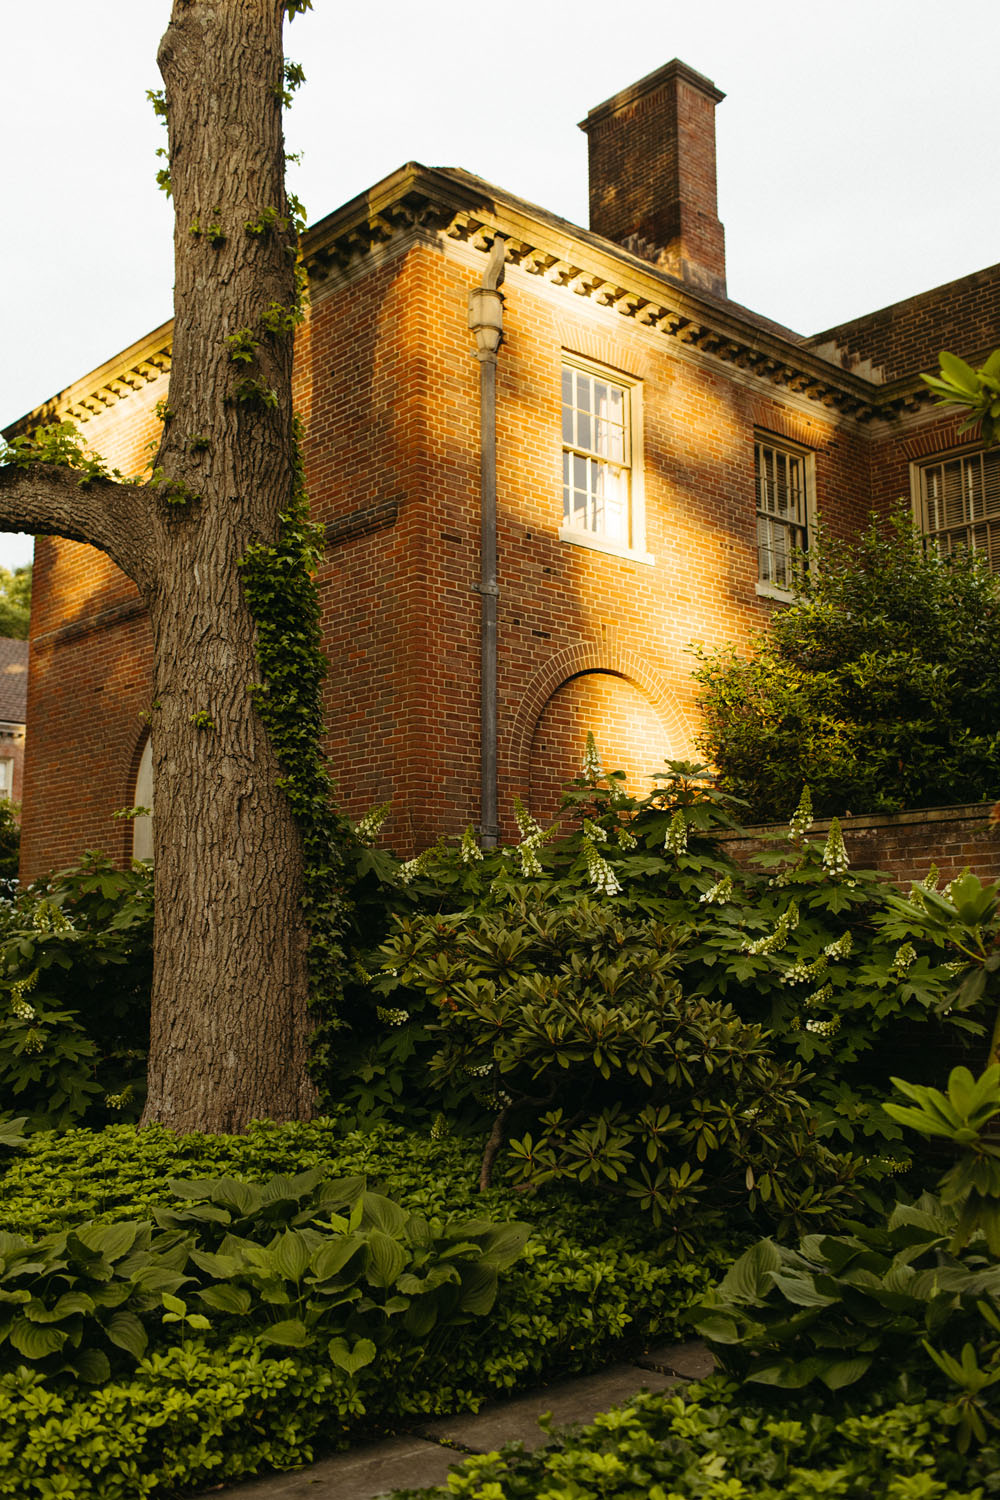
(230, 989)
(230, 980)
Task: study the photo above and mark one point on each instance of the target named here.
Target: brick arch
(130, 792)
(605, 348)
(784, 422)
(576, 661)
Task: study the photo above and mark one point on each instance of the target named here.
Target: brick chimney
(652, 174)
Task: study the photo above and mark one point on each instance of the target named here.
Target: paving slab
(577, 1400)
(692, 1360)
(362, 1474)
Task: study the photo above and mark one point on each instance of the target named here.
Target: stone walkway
(426, 1454)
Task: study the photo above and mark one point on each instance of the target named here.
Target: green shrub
(571, 1017)
(709, 1444)
(875, 1302)
(839, 971)
(75, 965)
(879, 686)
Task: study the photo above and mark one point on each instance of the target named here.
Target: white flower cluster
(22, 1010)
(823, 1028)
(414, 867)
(439, 1128)
(533, 836)
(719, 894)
(904, 959)
(842, 948)
(368, 829)
(802, 818)
(470, 852)
(676, 840)
(391, 1017)
(600, 874)
(119, 1101)
(592, 768)
(481, 1070)
(893, 1164)
(818, 997)
(835, 858)
(774, 942)
(801, 971)
(34, 1041)
(626, 838)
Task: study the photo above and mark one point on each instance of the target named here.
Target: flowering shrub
(75, 965)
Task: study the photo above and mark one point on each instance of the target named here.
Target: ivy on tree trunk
(230, 987)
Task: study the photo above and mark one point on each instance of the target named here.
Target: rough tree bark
(230, 979)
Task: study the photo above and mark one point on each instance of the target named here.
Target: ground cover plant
(888, 1335)
(879, 684)
(289, 1351)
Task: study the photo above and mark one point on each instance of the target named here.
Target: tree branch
(49, 500)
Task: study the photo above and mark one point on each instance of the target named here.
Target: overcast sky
(857, 144)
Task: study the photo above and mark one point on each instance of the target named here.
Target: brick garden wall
(905, 845)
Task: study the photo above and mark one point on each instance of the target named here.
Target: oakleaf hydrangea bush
(75, 968)
(549, 986)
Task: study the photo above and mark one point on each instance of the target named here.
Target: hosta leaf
(280, 1189)
(35, 1341)
(351, 1360)
(504, 1243)
(91, 1365)
(381, 1213)
(386, 1259)
(801, 1290)
(479, 1288)
(333, 1256)
(68, 1304)
(226, 1298)
(749, 1278)
(845, 1371)
(291, 1255)
(125, 1330)
(292, 1333)
(421, 1316)
(218, 1266)
(109, 1240)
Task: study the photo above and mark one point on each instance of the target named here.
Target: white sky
(857, 145)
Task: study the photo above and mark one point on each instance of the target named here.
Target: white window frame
(924, 503)
(6, 778)
(806, 523)
(634, 548)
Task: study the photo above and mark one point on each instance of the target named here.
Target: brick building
(660, 450)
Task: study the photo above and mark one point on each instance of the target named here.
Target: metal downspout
(486, 322)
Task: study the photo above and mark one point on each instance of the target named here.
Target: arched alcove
(630, 735)
(142, 827)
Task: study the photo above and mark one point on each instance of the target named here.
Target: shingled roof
(13, 680)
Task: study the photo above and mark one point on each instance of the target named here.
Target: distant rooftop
(13, 680)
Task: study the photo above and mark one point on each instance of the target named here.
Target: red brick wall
(88, 686)
(962, 317)
(390, 390)
(905, 845)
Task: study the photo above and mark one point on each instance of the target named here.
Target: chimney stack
(652, 174)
